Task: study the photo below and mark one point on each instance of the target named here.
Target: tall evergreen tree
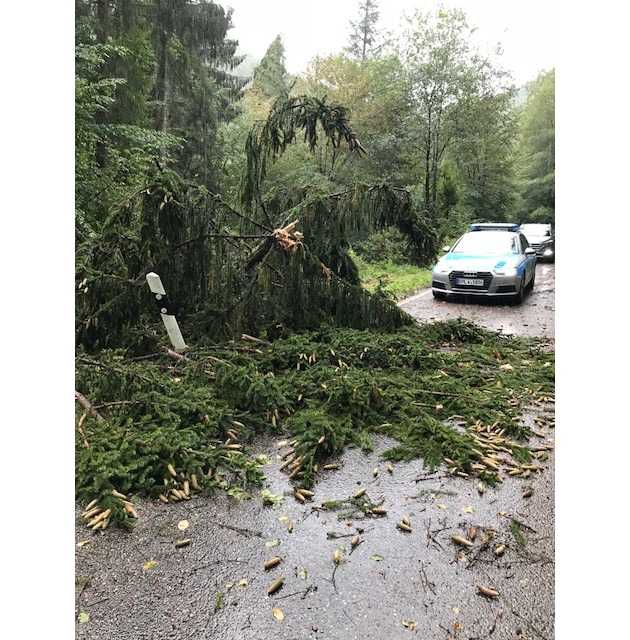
(270, 76)
(364, 35)
(174, 61)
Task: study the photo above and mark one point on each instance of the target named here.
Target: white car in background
(541, 239)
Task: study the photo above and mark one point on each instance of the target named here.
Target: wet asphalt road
(534, 317)
(389, 578)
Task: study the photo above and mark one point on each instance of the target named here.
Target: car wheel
(439, 296)
(532, 282)
(518, 298)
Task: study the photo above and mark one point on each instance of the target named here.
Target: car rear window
(487, 243)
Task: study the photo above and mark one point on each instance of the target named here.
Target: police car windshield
(487, 243)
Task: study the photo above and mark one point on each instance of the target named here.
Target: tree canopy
(247, 197)
(270, 76)
(536, 152)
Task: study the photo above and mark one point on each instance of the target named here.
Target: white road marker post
(166, 311)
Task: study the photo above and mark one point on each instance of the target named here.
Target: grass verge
(400, 280)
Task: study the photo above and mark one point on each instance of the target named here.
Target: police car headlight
(548, 252)
(505, 271)
(441, 268)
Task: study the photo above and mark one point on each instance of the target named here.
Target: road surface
(394, 585)
(534, 317)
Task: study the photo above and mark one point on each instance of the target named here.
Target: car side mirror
(446, 248)
(530, 252)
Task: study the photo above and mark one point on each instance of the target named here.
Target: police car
(491, 259)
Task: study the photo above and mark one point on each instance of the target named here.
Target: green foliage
(152, 85)
(130, 148)
(309, 426)
(270, 76)
(388, 245)
(157, 142)
(155, 420)
(328, 389)
(171, 61)
(143, 232)
(352, 508)
(397, 280)
(483, 154)
(545, 215)
(452, 87)
(376, 92)
(517, 533)
(314, 117)
(160, 151)
(536, 152)
(330, 221)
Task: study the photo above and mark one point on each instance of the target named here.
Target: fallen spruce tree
(273, 264)
(171, 426)
(332, 364)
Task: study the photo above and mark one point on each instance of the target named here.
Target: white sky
(526, 29)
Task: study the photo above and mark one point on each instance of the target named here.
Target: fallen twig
(334, 584)
(173, 354)
(425, 582)
(87, 405)
(304, 593)
(81, 431)
(257, 340)
(244, 532)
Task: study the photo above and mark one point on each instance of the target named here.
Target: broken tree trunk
(87, 405)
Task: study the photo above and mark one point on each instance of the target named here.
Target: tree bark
(102, 20)
(365, 33)
(434, 175)
(162, 84)
(102, 33)
(127, 15)
(87, 405)
(427, 167)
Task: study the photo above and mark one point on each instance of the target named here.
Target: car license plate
(472, 282)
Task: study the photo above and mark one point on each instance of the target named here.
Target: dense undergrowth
(326, 390)
(395, 280)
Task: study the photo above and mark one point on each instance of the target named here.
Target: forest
(257, 198)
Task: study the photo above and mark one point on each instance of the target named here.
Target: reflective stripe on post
(170, 323)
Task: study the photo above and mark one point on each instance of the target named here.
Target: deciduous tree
(536, 153)
(447, 77)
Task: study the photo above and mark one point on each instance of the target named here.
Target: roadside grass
(401, 280)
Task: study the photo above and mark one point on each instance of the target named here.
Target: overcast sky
(308, 28)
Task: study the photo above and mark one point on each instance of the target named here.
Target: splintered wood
(287, 238)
